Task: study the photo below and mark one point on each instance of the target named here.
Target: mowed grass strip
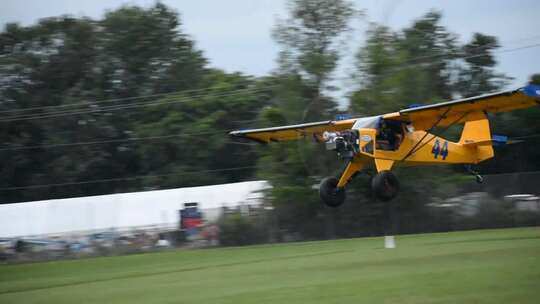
(484, 266)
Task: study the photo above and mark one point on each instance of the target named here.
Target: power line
(86, 103)
(481, 47)
(136, 105)
(127, 106)
(404, 65)
(495, 52)
(134, 139)
(95, 181)
(458, 57)
(106, 141)
(185, 99)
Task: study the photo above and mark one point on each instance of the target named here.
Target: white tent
(122, 210)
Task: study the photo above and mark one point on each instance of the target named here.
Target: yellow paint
(476, 133)
(476, 129)
(367, 141)
(383, 164)
(457, 153)
(354, 166)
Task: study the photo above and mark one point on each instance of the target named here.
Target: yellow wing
(459, 111)
(293, 132)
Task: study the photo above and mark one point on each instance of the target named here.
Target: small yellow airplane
(403, 137)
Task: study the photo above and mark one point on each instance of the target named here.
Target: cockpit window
(389, 135)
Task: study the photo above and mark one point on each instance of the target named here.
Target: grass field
(487, 266)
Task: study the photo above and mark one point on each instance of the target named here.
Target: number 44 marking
(437, 150)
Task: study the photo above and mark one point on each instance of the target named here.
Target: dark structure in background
(191, 221)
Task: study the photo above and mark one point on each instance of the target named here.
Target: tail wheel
(385, 185)
(479, 179)
(330, 194)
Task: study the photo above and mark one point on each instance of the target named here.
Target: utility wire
(95, 181)
(157, 137)
(470, 50)
(126, 106)
(186, 99)
(86, 103)
(481, 47)
(404, 65)
(107, 141)
(168, 175)
(478, 55)
(144, 104)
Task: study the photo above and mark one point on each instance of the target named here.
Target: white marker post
(389, 242)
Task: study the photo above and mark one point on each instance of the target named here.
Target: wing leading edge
(293, 132)
(457, 111)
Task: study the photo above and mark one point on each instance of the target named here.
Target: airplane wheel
(385, 185)
(330, 194)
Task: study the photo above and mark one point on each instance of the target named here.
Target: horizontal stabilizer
(496, 140)
(499, 140)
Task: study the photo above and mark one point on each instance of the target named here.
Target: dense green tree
(231, 101)
(145, 52)
(478, 76)
(311, 39)
(42, 66)
(65, 65)
(397, 69)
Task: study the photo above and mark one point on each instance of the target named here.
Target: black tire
(385, 185)
(330, 194)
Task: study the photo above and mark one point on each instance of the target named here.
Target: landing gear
(330, 194)
(479, 179)
(477, 176)
(385, 185)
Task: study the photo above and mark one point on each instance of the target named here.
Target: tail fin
(477, 130)
(477, 133)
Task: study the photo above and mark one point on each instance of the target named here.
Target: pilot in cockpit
(389, 136)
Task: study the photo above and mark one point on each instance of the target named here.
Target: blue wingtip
(532, 90)
(499, 140)
(342, 117)
(415, 105)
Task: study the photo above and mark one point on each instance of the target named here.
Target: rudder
(475, 132)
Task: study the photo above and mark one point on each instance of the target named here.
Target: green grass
(486, 266)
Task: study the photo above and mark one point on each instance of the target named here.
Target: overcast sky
(235, 34)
